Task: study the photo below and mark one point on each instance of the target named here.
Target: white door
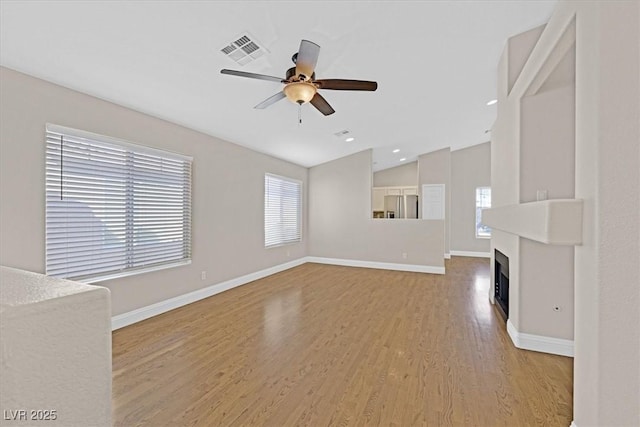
(433, 201)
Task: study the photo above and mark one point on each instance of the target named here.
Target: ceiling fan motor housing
(291, 72)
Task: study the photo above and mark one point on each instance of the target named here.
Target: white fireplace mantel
(554, 222)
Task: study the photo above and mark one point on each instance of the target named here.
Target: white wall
(607, 179)
(505, 160)
(470, 169)
(228, 189)
(547, 162)
(547, 144)
(534, 149)
(606, 369)
(56, 351)
(405, 175)
(340, 225)
(435, 168)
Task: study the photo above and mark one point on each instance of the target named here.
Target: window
(282, 210)
(483, 201)
(113, 208)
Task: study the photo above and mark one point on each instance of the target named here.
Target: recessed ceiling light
(396, 150)
(403, 159)
(493, 101)
(350, 139)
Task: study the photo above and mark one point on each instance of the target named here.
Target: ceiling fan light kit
(301, 87)
(300, 92)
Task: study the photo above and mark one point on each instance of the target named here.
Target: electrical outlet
(288, 253)
(404, 255)
(203, 275)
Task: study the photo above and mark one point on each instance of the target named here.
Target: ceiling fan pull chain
(299, 114)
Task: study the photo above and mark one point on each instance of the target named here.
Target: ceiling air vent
(244, 49)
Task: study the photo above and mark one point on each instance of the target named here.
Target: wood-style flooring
(322, 345)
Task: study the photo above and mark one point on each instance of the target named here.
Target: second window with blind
(282, 210)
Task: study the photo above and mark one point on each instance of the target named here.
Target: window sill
(127, 273)
(279, 245)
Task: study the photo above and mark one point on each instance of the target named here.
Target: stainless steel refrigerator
(398, 207)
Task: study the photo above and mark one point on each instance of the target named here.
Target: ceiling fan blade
(322, 105)
(270, 100)
(342, 84)
(252, 75)
(307, 58)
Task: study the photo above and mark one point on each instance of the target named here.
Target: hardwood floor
(323, 345)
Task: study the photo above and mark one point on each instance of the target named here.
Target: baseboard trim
(378, 265)
(447, 256)
(131, 317)
(573, 424)
(471, 254)
(539, 343)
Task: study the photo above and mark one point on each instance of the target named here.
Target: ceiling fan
(300, 84)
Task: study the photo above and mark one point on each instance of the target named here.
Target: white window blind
(282, 210)
(483, 201)
(113, 207)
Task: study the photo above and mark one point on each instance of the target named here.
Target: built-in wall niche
(395, 193)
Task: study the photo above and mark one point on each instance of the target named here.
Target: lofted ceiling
(435, 63)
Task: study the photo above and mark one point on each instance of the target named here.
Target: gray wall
(435, 168)
(228, 189)
(405, 175)
(470, 169)
(340, 225)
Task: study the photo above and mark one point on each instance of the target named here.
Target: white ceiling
(435, 63)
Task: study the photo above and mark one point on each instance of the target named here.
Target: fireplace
(501, 288)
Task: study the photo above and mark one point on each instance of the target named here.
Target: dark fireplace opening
(501, 288)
